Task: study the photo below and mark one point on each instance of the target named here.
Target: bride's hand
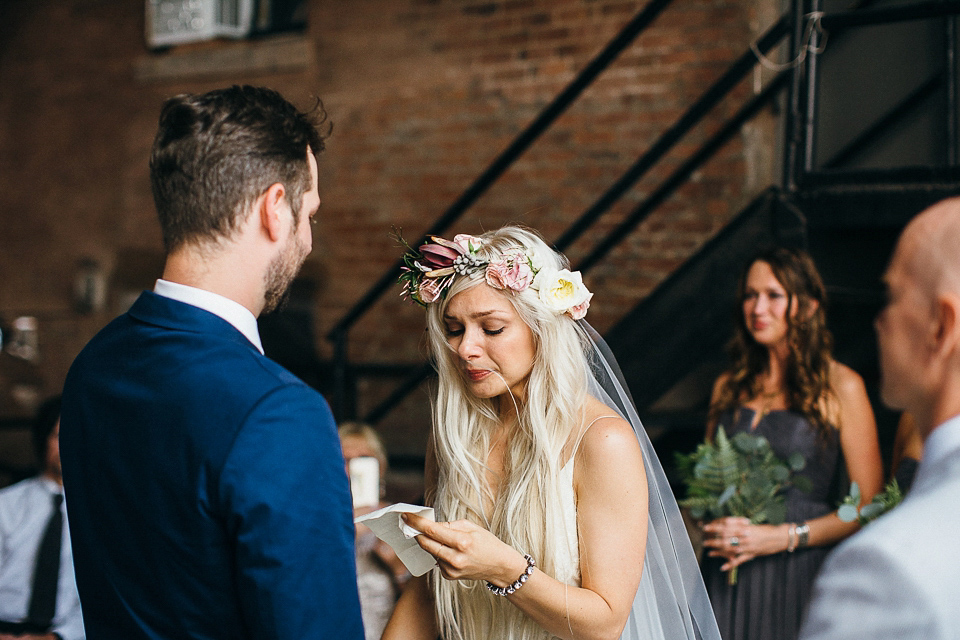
(466, 551)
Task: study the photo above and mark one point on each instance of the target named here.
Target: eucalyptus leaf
(745, 442)
(887, 499)
(780, 473)
(802, 483)
(871, 511)
(776, 513)
(796, 461)
(738, 476)
(855, 492)
(726, 495)
(847, 512)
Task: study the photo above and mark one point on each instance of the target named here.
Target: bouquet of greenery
(887, 499)
(738, 476)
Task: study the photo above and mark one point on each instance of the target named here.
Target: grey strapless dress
(772, 592)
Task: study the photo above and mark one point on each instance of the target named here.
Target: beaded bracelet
(505, 591)
(803, 535)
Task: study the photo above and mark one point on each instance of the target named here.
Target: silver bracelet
(505, 591)
(803, 535)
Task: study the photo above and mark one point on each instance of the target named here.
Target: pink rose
(580, 310)
(430, 289)
(510, 272)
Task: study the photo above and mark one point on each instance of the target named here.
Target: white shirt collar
(231, 311)
(942, 440)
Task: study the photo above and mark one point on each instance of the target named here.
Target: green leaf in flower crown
(847, 512)
(796, 461)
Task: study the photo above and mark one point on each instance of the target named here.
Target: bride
(554, 518)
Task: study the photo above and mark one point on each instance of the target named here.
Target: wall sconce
(89, 286)
(21, 339)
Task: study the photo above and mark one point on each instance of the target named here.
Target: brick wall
(423, 95)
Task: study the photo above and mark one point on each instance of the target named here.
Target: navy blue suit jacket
(205, 487)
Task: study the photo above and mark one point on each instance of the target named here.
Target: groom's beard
(282, 271)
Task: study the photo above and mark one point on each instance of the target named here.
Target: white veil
(672, 601)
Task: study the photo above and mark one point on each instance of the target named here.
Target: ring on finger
(734, 541)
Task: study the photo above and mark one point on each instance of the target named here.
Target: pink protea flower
(436, 256)
(430, 289)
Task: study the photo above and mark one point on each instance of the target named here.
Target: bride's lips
(477, 374)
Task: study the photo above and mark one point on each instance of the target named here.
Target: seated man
(38, 594)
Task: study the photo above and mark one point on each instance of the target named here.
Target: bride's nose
(469, 347)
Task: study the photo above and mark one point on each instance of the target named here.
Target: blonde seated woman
(554, 517)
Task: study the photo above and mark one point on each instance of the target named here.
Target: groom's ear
(272, 209)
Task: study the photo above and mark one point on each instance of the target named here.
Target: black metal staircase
(846, 211)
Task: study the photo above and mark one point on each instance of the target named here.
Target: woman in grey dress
(785, 385)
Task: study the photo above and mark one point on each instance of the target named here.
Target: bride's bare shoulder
(604, 431)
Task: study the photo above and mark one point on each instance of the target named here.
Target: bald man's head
(930, 248)
(918, 328)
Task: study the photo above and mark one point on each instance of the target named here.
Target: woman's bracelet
(505, 591)
(797, 536)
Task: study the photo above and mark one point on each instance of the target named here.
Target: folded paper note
(387, 525)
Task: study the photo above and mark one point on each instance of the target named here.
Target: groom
(204, 483)
(899, 577)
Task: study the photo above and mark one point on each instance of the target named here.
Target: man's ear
(947, 316)
(273, 207)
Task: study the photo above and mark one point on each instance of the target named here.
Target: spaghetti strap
(595, 420)
(583, 433)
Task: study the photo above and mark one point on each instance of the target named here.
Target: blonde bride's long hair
(523, 513)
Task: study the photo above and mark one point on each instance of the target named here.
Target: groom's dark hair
(216, 153)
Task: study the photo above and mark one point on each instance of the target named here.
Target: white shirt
(233, 312)
(941, 442)
(898, 578)
(25, 510)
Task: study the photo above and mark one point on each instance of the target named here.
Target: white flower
(470, 244)
(562, 291)
(536, 261)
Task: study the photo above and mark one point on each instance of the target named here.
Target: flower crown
(429, 272)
